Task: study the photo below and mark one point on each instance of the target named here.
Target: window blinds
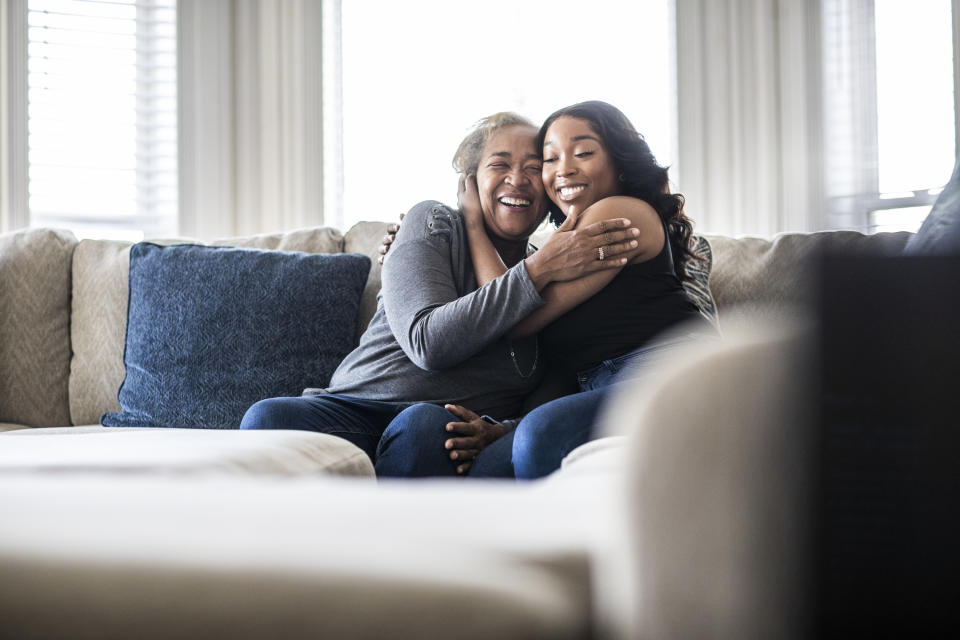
(102, 109)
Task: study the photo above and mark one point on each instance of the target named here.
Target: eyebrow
(507, 154)
(576, 139)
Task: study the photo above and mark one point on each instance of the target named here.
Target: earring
(622, 179)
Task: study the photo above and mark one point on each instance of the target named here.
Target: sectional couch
(678, 523)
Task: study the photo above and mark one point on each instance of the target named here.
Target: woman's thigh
(354, 419)
(552, 430)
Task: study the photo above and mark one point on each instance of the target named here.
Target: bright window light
(102, 107)
(410, 94)
(915, 117)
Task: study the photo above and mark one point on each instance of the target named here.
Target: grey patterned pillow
(698, 285)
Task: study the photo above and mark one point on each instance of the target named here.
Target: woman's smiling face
(577, 170)
(508, 183)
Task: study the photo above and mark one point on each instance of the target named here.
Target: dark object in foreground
(884, 507)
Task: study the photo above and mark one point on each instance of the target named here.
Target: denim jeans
(548, 433)
(413, 447)
(360, 421)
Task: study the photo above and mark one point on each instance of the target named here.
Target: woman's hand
(388, 239)
(572, 253)
(468, 199)
(472, 435)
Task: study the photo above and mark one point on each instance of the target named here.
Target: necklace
(536, 356)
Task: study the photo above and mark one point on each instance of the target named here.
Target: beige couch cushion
(91, 556)
(763, 277)
(365, 238)
(718, 449)
(35, 326)
(174, 452)
(100, 293)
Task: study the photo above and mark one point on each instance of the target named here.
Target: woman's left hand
(473, 434)
(468, 199)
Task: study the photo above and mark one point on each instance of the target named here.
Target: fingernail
(634, 231)
(626, 223)
(633, 243)
(453, 456)
(623, 261)
(448, 444)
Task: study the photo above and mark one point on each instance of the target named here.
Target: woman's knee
(545, 436)
(413, 443)
(274, 413)
(420, 427)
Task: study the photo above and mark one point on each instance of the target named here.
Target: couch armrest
(715, 502)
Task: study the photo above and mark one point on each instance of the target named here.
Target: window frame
(845, 211)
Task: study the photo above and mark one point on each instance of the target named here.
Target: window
(409, 94)
(102, 116)
(890, 114)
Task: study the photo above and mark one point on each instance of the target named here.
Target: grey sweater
(435, 336)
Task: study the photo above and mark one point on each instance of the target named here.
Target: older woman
(436, 337)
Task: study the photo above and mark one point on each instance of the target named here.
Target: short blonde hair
(467, 158)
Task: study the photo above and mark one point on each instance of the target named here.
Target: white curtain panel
(251, 142)
(750, 115)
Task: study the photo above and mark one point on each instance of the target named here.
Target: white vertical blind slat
(102, 113)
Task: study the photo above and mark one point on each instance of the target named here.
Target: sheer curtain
(890, 110)
(251, 117)
(826, 114)
(748, 89)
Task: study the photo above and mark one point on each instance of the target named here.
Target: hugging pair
(487, 356)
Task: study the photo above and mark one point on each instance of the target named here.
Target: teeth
(569, 191)
(515, 202)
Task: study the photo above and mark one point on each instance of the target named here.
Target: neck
(511, 251)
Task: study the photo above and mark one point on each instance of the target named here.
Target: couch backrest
(35, 327)
(63, 304)
(765, 277)
(99, 311)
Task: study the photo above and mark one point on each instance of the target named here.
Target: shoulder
(430, 219)
(641, 215)
(636, 210)
(422, 213)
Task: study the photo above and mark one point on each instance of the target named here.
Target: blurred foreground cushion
(211, 330)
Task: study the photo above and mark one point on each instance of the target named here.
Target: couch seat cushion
(297, 557)
(174, 452)
(211, 330)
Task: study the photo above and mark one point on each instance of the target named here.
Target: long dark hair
(639, 174)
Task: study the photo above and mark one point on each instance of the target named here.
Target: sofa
(679, 522)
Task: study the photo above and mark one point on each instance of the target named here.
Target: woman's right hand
(468, 199)
(572, 253)
(388, 239)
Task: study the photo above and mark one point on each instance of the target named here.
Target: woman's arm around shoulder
(561, 297)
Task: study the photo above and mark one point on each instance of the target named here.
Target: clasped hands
(470, 436)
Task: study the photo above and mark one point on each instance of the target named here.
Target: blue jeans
(360, 421)
(413, 447)
(548, 433)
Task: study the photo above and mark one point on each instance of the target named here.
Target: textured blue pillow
(940, 232)
(211, 330)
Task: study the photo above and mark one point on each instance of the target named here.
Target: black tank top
(641, 301)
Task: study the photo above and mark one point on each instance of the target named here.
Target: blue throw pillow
(211, 330)
(940, 232)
